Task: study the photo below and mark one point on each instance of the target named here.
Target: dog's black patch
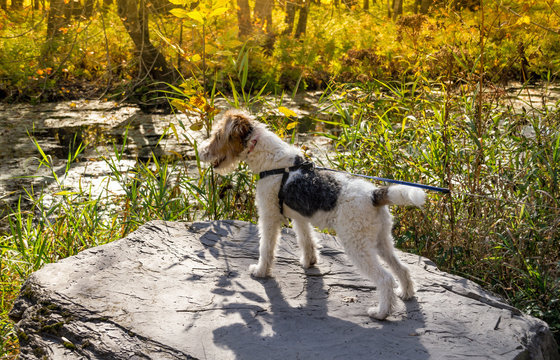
(309, 190)
(379, 196)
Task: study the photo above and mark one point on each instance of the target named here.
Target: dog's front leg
(269, 230)
(270, 223)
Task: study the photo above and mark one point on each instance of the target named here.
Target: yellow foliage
(524, 20)
(291, 125)
(287, 112)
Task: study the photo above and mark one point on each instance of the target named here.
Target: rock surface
(182, 291)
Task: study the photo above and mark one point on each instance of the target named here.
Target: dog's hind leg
(367, 262)
(387, 253)
(306, 240)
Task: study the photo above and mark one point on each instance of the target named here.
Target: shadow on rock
(307, 331)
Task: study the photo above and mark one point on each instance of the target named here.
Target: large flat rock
(178, 291)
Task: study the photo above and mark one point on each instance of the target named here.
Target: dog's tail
(398, 195)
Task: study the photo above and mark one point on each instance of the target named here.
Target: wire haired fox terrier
(291, 187)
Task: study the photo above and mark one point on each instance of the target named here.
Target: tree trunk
(244, 18)
(3, 4)
(58, 18)
(290, 16)
(397, 8)
(75, 9)
(366, 5)
(152, 63)
(88, 8)
(425, 6)
(17, 4)
(389, 7)
(302, 19)
(263, 13)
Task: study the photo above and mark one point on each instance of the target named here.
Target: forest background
(417, 92)
(67, 49)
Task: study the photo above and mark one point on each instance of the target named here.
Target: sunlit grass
(499, 226)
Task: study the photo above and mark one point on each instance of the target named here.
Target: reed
(499, 226)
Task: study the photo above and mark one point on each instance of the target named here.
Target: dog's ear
(241, 128)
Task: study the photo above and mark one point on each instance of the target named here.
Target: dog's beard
(223, 161)
(224, 165)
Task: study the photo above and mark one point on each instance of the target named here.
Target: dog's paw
(308, 261)
(375, 313)
(405, 294)
(259, 271)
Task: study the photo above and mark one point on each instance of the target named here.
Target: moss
(69, 345)
(52, 328)
(39, 352)
(22, 336)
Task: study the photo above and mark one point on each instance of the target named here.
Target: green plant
(499, 226)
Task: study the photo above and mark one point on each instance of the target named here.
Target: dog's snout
(203, 151)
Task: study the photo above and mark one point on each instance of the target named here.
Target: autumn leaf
(220, 4)
(195, 58)
(180, 13)
(287, 112)
(198, 101)
(292, 125)
(218, 11)
(524, 20)
(179, 105)
(196, 16)
(197, 126)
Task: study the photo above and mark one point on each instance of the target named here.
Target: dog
(291, 187)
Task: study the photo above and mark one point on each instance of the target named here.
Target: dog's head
(228, 140)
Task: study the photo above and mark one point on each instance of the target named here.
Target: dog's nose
(203, 152)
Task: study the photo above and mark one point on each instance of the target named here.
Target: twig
(110, 77)
(28, 31)
(532, 22)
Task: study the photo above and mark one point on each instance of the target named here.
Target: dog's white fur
(363, 228)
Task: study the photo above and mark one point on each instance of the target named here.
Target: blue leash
(426, 187)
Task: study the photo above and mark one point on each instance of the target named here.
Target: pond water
(59, 127)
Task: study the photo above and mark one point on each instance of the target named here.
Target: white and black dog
(290, 187)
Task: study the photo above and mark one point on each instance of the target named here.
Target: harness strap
(285, 174)
(303, 165)
(300, 164)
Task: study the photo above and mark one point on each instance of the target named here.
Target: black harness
(299, 164)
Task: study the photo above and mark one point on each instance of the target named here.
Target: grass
(499, 227)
